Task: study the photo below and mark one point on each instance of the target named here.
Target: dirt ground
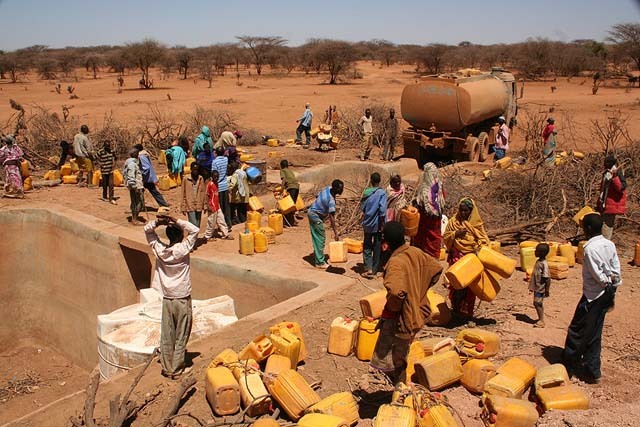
(271, 104)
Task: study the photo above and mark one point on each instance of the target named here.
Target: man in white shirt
(366, 125)
(600, 279)
(172, 278)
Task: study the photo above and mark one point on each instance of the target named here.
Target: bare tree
(260, 47)
(335, 56)
(430, 58)
(627, 40)
(184, 57)
(385, 51)
(93, 62)
(117, 61)
(145, 55)
(14, 64)
(47, 67)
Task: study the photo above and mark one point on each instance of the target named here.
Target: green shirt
(289, 178)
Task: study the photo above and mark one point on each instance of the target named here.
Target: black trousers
(583, 344)
(238, 212)
(225, 207)
(290, 218)
(107, 185)
(157, 195)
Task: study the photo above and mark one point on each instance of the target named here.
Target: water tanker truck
(456, 118)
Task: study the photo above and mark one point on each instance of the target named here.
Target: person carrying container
(324, 207)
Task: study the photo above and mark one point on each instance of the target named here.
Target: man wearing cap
(228, 139)
(502, 139)
(304, 125)
(172, 278)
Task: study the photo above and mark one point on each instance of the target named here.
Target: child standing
(540, 282)
(216, 217)
(291, 184)
(193, 196)
(107, 160)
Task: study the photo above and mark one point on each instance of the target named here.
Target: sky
(60, 23)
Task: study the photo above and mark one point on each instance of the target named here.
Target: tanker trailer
(456, 118)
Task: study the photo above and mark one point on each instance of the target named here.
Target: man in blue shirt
(205, 158)
(374, 207)
(304, 125)
(220, 164)
(149, 177)
(324, 207)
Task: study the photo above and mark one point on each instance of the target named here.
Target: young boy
(540, 282)
(289, 183)
(216, 217)
(193, 196)
(107, 160)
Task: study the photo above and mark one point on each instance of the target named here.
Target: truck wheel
(473, 152)
(483, 140)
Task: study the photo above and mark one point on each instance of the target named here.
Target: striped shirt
(106, 159)
(220, 164)
(325, 203)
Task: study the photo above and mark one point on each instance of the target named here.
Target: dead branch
(555, 219)
(187, 383)
(90, 402)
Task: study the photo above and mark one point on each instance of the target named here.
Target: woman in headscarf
(10, 157)
(429, 201)
(395, 198)
(464, 234)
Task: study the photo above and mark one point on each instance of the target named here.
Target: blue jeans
(499, 153)
(151, 188)
(194, 217)
(307, 134)
(371, 253)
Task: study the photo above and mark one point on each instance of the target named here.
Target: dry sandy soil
(271, 104)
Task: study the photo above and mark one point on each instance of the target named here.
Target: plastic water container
(27, 184)
(527, 259)
(486, 287)
(498, 411)
(96, 177)
(299, 203)
(529, 244)
(246, 157)
(518, 368)
(443, 254)
(495, 246)
(354, 246)
(437, 345)
(251, 226)
(242, 367)
(164, 182)
(222, 391)
(225, 357)
(506, 386)
(275, 221)
(65, 170)
(478, 343)
(70, 179)
(497, 262)
(246, 243)
(580, 252)
(341, 405)
(504, 163)
(24, 168)
(562, 398)
(551, 376)
(475, 374)
(255, 204)
(367, 338)
(260, 244)
(395, 416)
(440, 313)
(437, 416)
(288, 345)
(52, 175)
(338, 252)
(342, 336)
(258, 349)
(286, 205)
(566, 250)
(465, 271)
(254, 395)
(410, 218)
(293, 393)
(553, 249)
(295, 329)
(373, 304)
(439, 370)
(577, 218)
(276, 364)
(321, 420)
(253, 174)
(416, 353)
(272, 142)
(559, 259)
(269, 233)
(118, 179)
(255, 216)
